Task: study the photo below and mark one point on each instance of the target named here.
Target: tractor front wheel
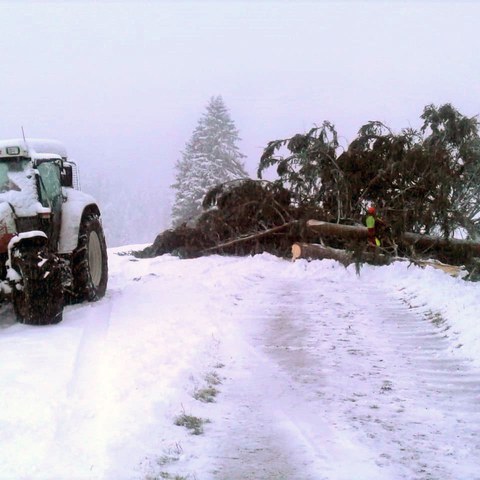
(89, 261)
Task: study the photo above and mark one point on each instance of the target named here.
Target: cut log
(313, 251)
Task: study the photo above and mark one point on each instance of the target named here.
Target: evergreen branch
(251, 236)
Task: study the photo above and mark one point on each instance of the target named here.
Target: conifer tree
(210, 157)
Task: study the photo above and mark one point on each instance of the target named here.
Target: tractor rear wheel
(38, 296)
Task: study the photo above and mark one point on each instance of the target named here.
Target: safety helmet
(371, 210)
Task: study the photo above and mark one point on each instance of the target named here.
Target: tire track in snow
(295, 345)
(90, 349)
(275, 426)
(255, 439)
(78, 438)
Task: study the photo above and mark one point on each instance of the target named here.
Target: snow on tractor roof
(32, 147)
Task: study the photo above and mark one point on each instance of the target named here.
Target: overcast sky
(125, 83)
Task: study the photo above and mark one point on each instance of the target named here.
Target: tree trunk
(345, 232)
(421, 243)
(313, 251)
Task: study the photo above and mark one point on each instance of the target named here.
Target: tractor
(52, 245)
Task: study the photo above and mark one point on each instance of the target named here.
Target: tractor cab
(32, 174)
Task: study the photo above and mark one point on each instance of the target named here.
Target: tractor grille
(27, 224)
(75, 176)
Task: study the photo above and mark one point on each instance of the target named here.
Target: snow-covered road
(315, 373)
(351, 386)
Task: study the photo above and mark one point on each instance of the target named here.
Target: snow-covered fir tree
(210, 157)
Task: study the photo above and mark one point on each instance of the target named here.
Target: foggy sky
(124, 84)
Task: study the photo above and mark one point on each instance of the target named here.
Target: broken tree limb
(253, 236)
(313, 251)
(452, 270)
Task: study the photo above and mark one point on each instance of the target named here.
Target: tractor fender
(75, 206)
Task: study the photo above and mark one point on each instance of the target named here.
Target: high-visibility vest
(370, 221)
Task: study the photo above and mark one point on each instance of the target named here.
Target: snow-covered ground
(314, 373)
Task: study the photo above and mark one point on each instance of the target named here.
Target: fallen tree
(420, 181)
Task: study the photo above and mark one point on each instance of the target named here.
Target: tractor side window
(50, 186)
(67, 176)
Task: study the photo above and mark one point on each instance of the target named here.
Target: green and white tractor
(52, 245)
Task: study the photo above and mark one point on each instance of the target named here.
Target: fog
(124, 84)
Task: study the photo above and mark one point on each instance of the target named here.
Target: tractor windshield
(17, 185)
(11, 167)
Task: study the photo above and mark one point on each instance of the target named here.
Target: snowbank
(455, 300)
